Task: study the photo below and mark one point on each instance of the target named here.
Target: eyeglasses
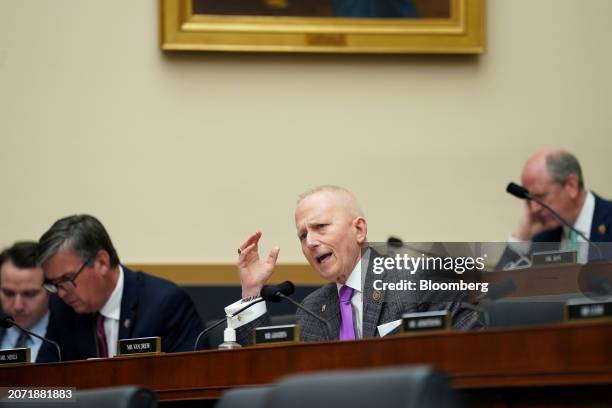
(53, 286)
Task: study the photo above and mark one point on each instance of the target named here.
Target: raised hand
(253, 271)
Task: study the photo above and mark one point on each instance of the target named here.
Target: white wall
(183, 155)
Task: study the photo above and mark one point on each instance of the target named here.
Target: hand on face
(533, 222)
(252, 270)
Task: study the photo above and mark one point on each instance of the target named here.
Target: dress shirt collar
(112, 307)
(40, 327)
(356, 278)
(585, 218)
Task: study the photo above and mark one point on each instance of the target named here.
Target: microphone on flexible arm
(217, 323)
(8, 322)
(276, 293)
(522, 193)
(286, 288)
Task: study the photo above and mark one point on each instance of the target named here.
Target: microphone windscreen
(286, 288)
(394, 242)
(268, 293)
(517, 191)
(7, 322)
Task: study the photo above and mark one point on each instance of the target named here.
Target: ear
(361, 229)
(572, 186)
(103, 261)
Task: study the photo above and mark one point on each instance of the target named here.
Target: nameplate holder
(580, 311)
(140, 346)
(426, 321)
(553, 258)
(15, 356)
(288, 333)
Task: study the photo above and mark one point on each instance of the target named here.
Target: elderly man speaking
(332, 231)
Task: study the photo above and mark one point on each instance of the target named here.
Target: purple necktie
(347, 331)
(101, 336)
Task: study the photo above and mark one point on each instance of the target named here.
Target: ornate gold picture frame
(463, 32)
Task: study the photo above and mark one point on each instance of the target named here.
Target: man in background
(100, 301)
(23, 299)
(555, 177)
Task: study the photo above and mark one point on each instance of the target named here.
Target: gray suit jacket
(379, 307)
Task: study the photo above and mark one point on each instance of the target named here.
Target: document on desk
(387, 328)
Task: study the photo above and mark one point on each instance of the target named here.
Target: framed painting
(324, 26)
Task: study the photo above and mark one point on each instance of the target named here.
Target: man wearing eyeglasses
(555, 177)
(23, 298)
(100, 301)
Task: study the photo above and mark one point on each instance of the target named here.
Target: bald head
(553, 165)
(339, 195)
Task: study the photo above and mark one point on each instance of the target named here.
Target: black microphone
(282, 291)
(8, 322)
(271, 293)
(518, 191)
(522, 193)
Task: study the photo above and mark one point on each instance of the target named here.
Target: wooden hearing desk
(554, 365)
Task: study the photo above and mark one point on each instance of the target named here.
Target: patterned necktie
(101, 336)
(22, 340)
(347, 330)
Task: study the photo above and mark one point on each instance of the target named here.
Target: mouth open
(323, 258)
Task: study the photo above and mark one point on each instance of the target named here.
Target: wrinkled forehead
(320, 206)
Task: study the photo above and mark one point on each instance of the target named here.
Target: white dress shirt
(12, 334)
(583, 224)
(112, 313)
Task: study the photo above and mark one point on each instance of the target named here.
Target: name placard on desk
(15, 356)
(587, 311)
(144, 345)
(426, 321)
(552, 258)
(288, 333)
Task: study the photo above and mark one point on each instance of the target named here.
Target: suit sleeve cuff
(246, 316)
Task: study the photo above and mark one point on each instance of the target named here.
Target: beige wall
(183, 155)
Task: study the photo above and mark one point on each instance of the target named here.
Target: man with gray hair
(555, 177)
(98, 301)
(332, 231)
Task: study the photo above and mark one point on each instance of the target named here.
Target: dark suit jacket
(378, 308)
(601, 231)
(150, 306)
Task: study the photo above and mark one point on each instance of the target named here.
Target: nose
(61, 292)
(19, 304)
(312, 241)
